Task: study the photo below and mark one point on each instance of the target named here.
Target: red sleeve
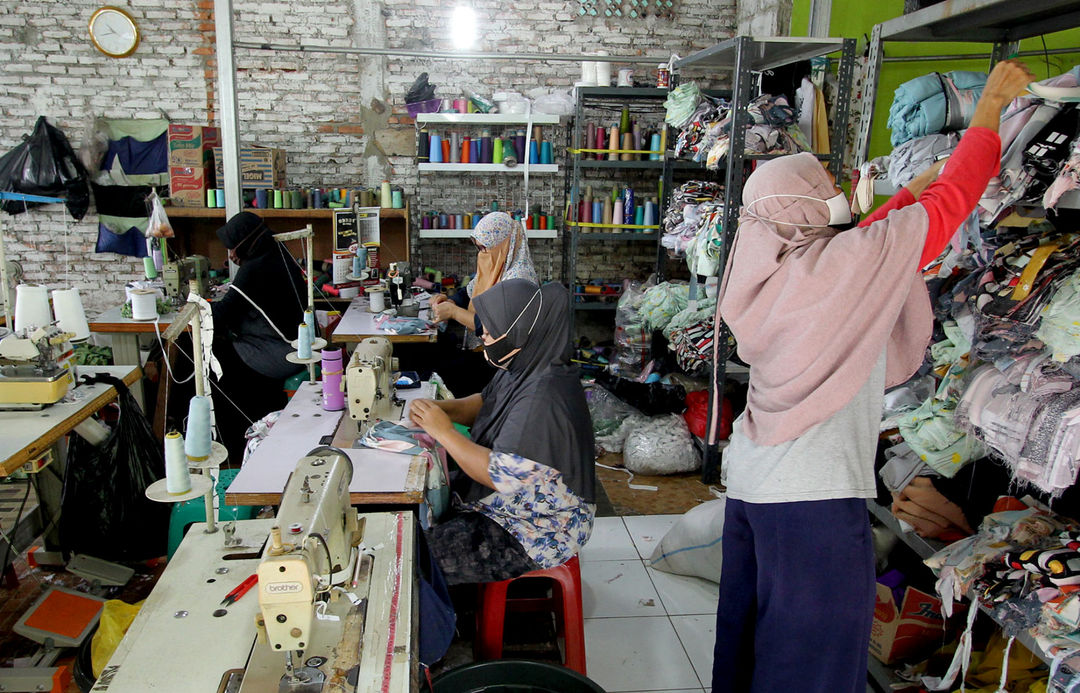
(951, 198)
(902, 198)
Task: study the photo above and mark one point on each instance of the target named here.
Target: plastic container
(513, 676)
(430, 106)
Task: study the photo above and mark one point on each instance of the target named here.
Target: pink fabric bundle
(812, 307)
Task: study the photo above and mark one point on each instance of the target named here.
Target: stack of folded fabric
(934, 103)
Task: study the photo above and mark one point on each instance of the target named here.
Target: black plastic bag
(420, 90)
(106, 513)
(44, 164)
(650, 399)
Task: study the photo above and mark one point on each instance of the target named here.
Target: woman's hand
(444, 311)
(437, 299)
(429, 416)
(931, 514)
(1008, 80)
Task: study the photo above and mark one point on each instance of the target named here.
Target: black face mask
(501, 351)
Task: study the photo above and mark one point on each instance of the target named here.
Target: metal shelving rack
(1003, 24)
(746, 57)
(588, 100)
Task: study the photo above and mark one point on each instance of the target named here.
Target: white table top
(26, 434)
(358, 324)
(302, 425)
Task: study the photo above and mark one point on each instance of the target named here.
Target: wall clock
(114, 32)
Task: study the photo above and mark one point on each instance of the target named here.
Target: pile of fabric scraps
(934, 103)
(392, 324)
(1029, 414)
(1059, 328)
(682, 104)
(690, 336)
(932, 434)
(1024, 566)
(695, 205)
(661, 303)
(708, 111)
(393, 437)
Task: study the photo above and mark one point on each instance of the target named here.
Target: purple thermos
(332, 371)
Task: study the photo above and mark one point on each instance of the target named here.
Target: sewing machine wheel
(305, 680)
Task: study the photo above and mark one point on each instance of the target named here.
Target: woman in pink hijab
(826, 319)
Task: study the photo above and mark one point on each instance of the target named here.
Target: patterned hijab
(505, 254)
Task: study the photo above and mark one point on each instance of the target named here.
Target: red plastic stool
(565, 603)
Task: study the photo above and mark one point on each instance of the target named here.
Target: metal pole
(4, 281)
(870, 88)
(200, 390)
(845, 74)
(309, 264)
(230, 123)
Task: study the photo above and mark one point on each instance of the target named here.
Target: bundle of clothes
(704, 125)
(696, 206)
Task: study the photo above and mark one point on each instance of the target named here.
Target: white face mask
(839, 210)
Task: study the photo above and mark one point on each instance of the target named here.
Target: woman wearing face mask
(826, 320)
(525, 484)
(502, 252)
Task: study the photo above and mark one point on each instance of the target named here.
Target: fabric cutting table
(358, 324)
(379, 477)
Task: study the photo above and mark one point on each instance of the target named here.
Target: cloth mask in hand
(839, 210)
(500, 351)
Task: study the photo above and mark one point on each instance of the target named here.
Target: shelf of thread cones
(598, 163)
(467, 233)
(219, 213)
(534, 169)
(486, 119)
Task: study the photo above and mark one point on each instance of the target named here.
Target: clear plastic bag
(633, 343)
(612, 419)
(660, 445)
(159, 226)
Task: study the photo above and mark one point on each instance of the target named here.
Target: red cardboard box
(915, 628)
(188, 185)
(192, 145)
(260, 167)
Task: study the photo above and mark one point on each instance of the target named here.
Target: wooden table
(125, 338)
(358, 324)
(26, 435)
(379, 477)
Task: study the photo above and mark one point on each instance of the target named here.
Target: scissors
(239, 591)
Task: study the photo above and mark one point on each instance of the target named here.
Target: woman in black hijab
(525, 492)
(250, 350)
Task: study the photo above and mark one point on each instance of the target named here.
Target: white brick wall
(321, 108)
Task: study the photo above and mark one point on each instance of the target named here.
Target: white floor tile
(637, 654)
(609, 542)
(648, 530)
(698, 635)
(618, 588)
(685, 595)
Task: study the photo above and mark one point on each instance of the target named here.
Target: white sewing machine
(35, 370)
(334, 608)
(369, 385)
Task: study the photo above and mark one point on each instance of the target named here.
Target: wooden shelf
(219, 213)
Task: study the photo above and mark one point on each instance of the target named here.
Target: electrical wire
(1046, 55)
(14, 528)
(237, 289)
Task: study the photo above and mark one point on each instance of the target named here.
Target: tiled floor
(645, 630)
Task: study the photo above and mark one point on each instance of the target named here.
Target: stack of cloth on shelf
(690, 334)
(934, 103)
(705, 133)
(695, 206)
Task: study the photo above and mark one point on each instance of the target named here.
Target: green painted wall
(856, 18)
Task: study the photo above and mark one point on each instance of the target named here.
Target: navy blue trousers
(796, 598)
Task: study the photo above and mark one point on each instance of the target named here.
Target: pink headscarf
(812, 307)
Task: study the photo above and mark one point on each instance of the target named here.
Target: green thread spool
(277, 199)
(497, 150)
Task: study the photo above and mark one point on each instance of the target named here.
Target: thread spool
(613, 143)
(624, 119)
(485, 147)
(496, 151)
(639, 215)
(159, 259)
(627, 143)
(445, 149)
(628, 201)
(303, 342)
(654, 145)
(603, 72)
(197, 440)
(474, 151)
(177, 476)
(149, 270)
(590, 139)
(211, 198)
(465, 146)
(455, 148)
(607, 211)
(31, 307)
(423, 146)
(551, 221)
(588, 73)
(386, 198)
(586, 211)
(534, 152)
(69, 313)
(309, 320)
(519, 145)
(260, 198)
(143, 304)
(597, 212)
(377, 298)
(297, 199)
(333, 397)
(219, 195)
(637, 141)
(459, 221)
(277, 199)
(546, 154)
(435, 153)
(617, 213)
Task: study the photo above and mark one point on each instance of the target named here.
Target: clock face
(114, 32)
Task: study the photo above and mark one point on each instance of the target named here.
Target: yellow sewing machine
(334, 608)
(369, 385)
(35, 370)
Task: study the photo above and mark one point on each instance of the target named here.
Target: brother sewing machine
(177, 275)
(334, 611)
(369, 384)
(35, 370)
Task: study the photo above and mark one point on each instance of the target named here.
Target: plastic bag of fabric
(116, 618)
(648, 398)
(661, 445)
(612, 419)
(694, 545)
(106, 511)
(663, 302)
(45, 164)
(420, 90)
(633, 342)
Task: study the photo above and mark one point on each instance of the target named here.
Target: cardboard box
(914, 629)
(260, 167)
(188, 185)
(192, 145)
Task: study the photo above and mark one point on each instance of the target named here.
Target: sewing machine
(334, 608)
(368, 383)
(35, 370)
(178, 274)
